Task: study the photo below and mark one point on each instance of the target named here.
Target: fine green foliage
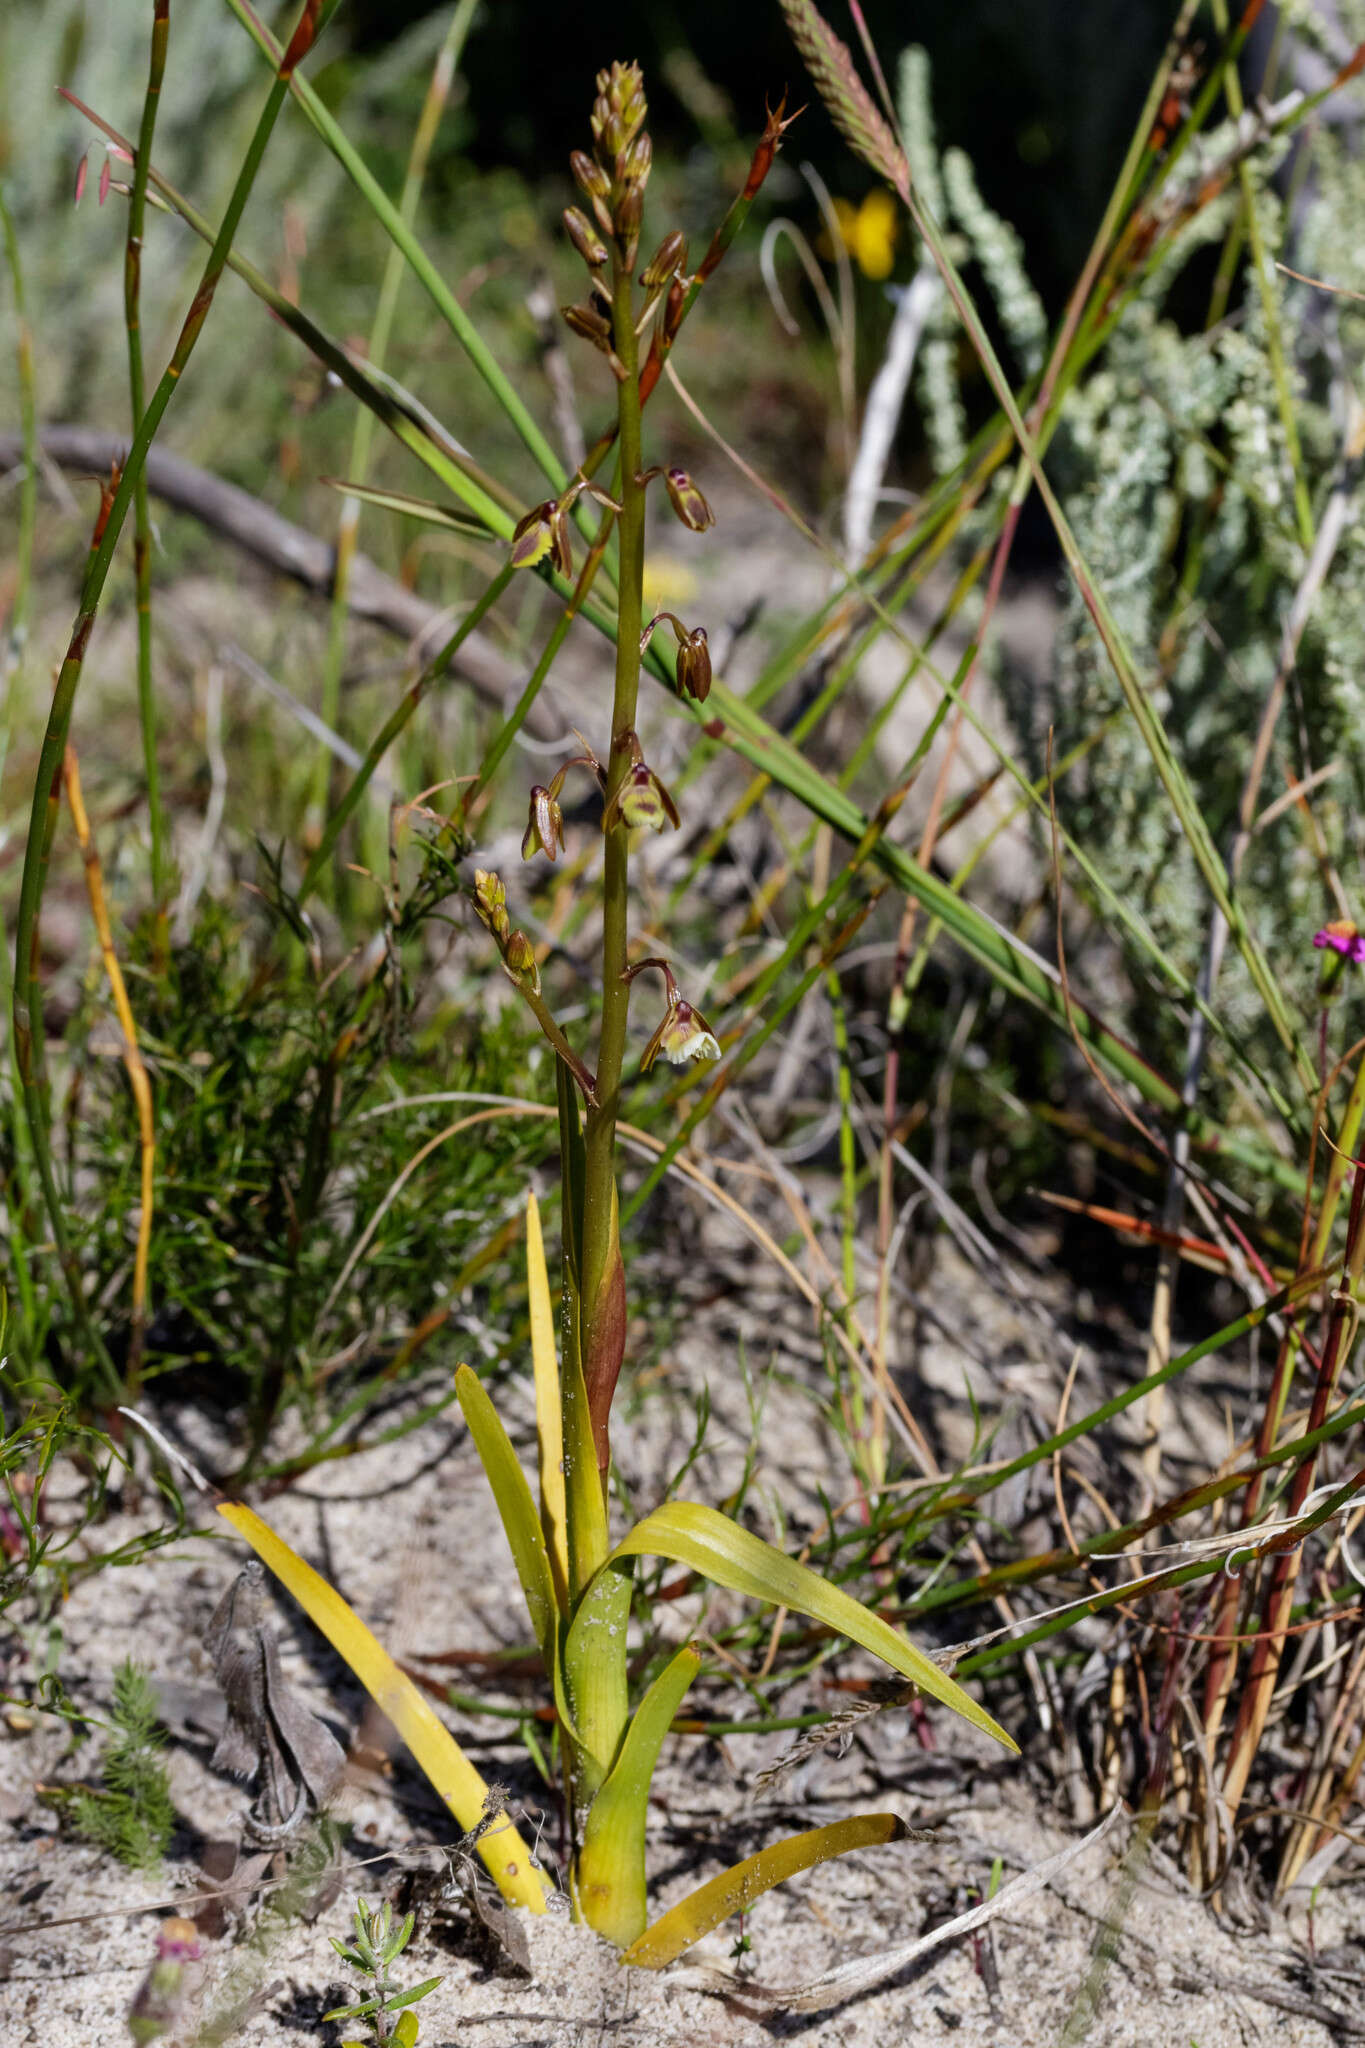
(372, 1951)
(131, 1814)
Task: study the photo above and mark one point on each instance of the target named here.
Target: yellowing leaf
(521, 1524)
(610, 1874)
(721, 1551)
(447, 1768)
(549, 1406)
(735, 1890)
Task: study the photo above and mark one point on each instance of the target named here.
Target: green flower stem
(600, 1127)
(142, 522)
(541, 1012)
(27, 1001)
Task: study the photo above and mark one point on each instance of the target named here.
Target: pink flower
(1343, 937)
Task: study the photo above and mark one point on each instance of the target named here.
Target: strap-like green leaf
(709, 1543)
(595, 1675)
(737, 1888)
(610, 1874)
(520, 1522)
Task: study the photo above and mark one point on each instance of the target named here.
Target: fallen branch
(292, 551)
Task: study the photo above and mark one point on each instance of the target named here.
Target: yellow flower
(869, 232)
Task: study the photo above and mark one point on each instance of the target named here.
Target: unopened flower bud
(543, 534)
(519, 958)
(545, 827)
(668, 258)
(590, 324)
(634, 165)
(620, 106)
(626, 216)
(687, 501)
(694, 665)
(594, 184)
(490, 904)
(589, 176)
(589, 245)
(608, 130)
(673, 307)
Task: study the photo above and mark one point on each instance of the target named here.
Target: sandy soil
(409, 1537)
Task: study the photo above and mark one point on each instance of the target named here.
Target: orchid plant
(577, 1582)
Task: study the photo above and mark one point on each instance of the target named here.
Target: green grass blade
(707, 1542)
(549, 1407)
(425, 271)
(389, 731)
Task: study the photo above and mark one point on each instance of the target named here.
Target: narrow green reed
(400, 233)
(407, 420)
(27, 993)
(142, 522)
(21, 1205)
(362, 433)
(21, 604)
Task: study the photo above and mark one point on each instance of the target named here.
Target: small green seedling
(130, 1814)
(376, 1946)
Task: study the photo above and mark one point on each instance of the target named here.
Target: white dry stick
(915, 303)
(202, 857)
(848, 1980)
(168, 1450)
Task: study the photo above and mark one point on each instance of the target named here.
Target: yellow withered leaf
(447, 1768)
(735, 1890)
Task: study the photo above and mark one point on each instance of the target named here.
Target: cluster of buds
(613, 178)
(542, 534)
(640, 799)
(694, 654)
(518, 954)
(683, 1034)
